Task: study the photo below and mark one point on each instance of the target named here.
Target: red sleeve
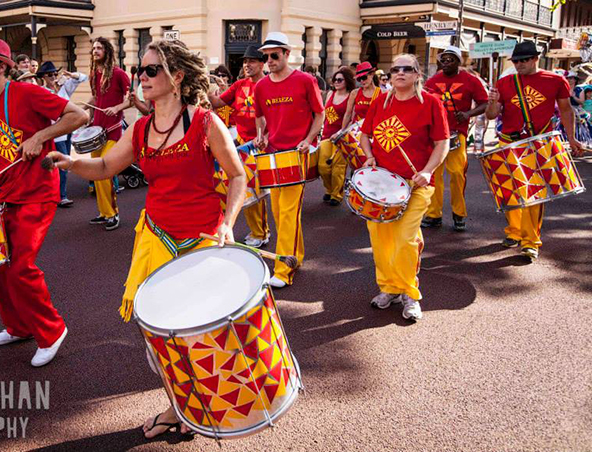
(369, 120)
(439, 130)
(480, 96)
(429, 85)
(564, 91)
(229, 95)
(258, 97)
(44, 102)
(314, 95)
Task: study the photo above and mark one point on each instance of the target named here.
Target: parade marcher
(175, 146)
(361, 98)
(23, 62)
(109, 85)
(240, 96)
(458, 90)
(64, 87)
(288, 103)
(531, 94)
(29, 196)
(34, 66)
(406, 119)
(332, 163)
(384, 79)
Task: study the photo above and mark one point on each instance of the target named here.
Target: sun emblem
(331, 115)
(390, 133)
(450, 96)
(533, 98)
(7, 147)
(244, 102)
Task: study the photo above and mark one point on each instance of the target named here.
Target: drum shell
(4, 250)
(530, 172)
(349, 144)
(221, 378)
(286, 168)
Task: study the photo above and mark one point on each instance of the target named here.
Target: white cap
(453, 50)
(571, 74)
(274, 40)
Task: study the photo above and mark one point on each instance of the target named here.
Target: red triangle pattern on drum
(495, 164)
(541, 159)
(229, 365)
(181, 400)
(221, 338)
(266, 333)
(528, 172)
(276, 372)
(244, 409)
(502, 178)
(185, 387)
(556, 188)
(206, 363)
(547, 174)
(256, 319)
(218, 415)
(534, 189)
(211, 383)
(197, 414)
(231, 397)
(267, 356)
(271, 391)
(183, 366)
(233, 379)
(242, 331)
(200, 346)
(251, 350)
(562, 178)
(506, 193)
(159, 345)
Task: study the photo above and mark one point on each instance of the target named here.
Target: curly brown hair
(108, 66)
(176, 56)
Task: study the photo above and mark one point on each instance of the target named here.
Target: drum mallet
(11, 165)
(408, 160)
(133, 70)
(290, 261)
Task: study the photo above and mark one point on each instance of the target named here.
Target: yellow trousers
(106, 198)
(256, 216)
(525, 225)
(456, 164)
(397, 247)
(286, 205)
(333, 174)
(148, 255)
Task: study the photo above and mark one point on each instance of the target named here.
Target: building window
(70, 53)
(305, 43)
(144, 38)
(323, 53)
(120, 51)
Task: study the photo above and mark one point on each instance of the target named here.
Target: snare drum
(89, 139)
(349, 144)
(4, 254)
(220, 348)
(285, 168)
(454, 141)
(254, 193)
(377, 195)
(531, 171)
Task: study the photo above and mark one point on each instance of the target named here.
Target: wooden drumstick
(91, 106)
(335, 151)
(11, 165)
(406, 157)
(290, 261)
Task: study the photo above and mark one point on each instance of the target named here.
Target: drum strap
(524, 105)
(377, 92)
(174, 247)
(9, 135)
(186, 121)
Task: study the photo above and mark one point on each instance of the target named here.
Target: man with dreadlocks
(109, 86)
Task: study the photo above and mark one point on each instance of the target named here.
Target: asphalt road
(502, 360)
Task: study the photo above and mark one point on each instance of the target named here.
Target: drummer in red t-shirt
(110, 86)
(332, 163)
(414, 121)
(361, 98)
(458, 91)
(240, 97)
(179, 163)
(542, 90)
(30, 196)
(289, 104)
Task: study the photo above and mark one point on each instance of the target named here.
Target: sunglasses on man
(273, 56)
(151, 70)
(404, 69)
(447, 60)
(521, 60)
(51, 74)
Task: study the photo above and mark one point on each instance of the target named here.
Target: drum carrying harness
(9, 135)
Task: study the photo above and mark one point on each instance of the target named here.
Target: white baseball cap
(453, 50)
(276, 39)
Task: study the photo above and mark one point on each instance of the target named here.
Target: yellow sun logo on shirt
(7, 147)
(390, 133)
(331, 115)
(533, 98)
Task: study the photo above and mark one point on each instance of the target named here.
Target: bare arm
(347, 118)
(216, 101)
(494, 107)
(72, 118)
(423, 176)
(225, 153)
(261, 140)
(117, 159)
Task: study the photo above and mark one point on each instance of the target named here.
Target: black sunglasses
(405, 69)
(338, 80)
(521, 60)
(447, 60)
(362, 78)
(273, 56)
(51, 74)
(151, 70)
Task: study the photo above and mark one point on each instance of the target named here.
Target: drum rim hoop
(377, 201)
(212, 326)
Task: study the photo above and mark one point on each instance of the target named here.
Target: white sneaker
(384, 300)
(277, 282)
(256, 243)
(6, 338)
(44, 356)
(411, 308)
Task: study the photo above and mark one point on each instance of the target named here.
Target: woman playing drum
(361, 98)
(175, 146)
(405, 123)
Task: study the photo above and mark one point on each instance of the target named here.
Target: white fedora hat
(274, 40)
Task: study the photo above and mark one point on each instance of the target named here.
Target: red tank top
(181, 198)
(362, 103)
(334, 114)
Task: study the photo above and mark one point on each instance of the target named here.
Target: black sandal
(169, 425)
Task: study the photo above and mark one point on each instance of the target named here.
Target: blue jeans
(64, 148)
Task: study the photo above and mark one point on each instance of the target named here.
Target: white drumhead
(86, 133)
(381, 185)
(200, 288)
